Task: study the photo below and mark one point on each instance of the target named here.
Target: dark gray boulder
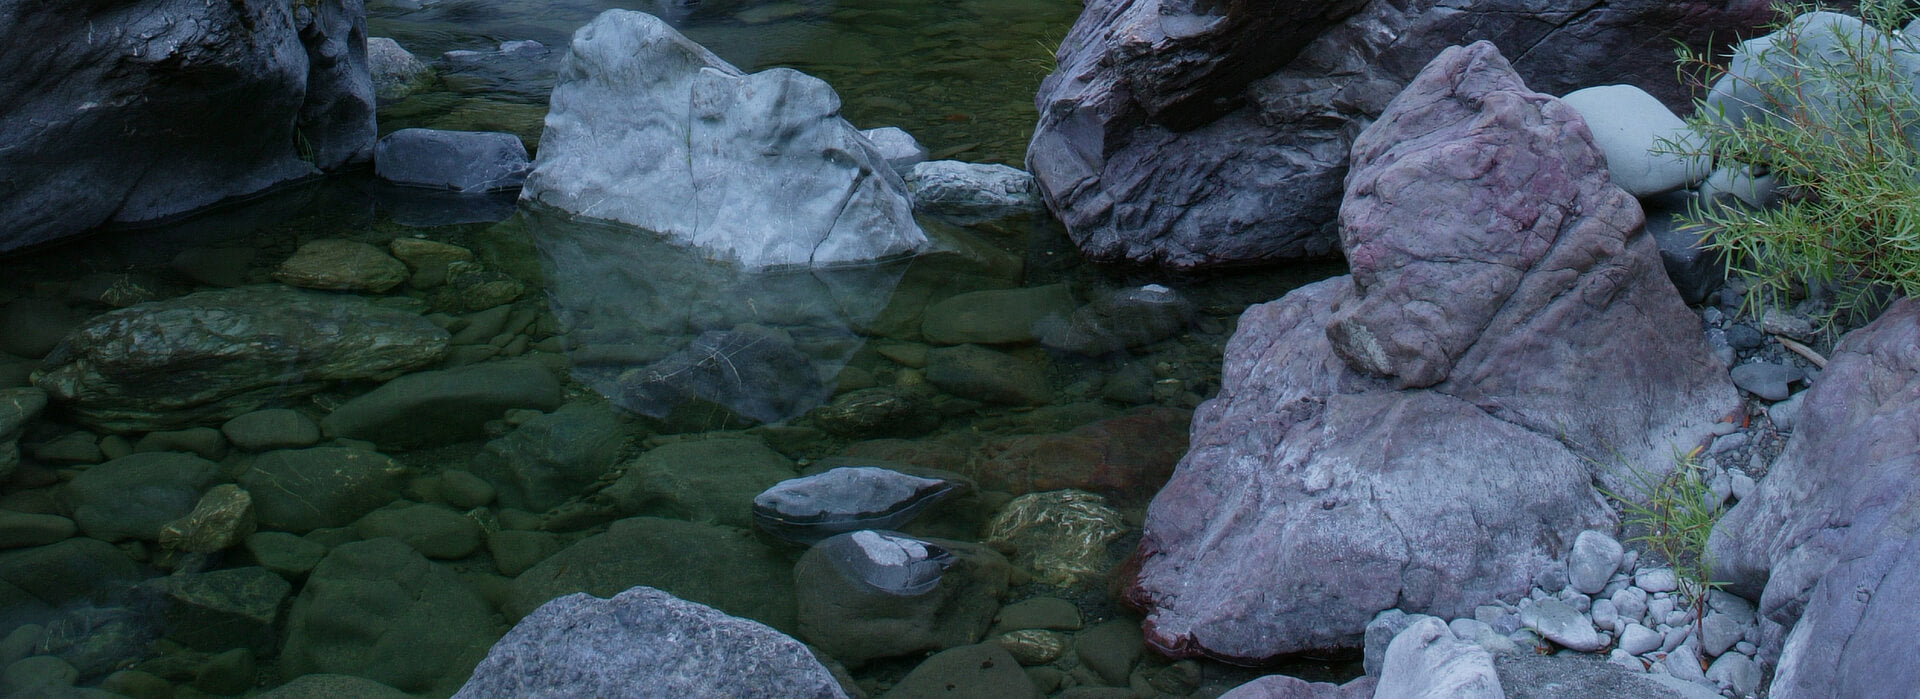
(436, 407)
(1424, 434)
(132, 497)
(1825, 543)
(213, 355)
(222, 609)
(144, 110)
(1209, 134)
(649, 129)
(645, 642)
(464, 161)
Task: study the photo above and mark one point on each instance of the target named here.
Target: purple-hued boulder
(1826, 543)
(1196, 135)
(1424, 434)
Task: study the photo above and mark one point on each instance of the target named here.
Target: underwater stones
(978, 670)
(299, 490)
(336, 264)
(463, 161)
(645, 642)
(213, 355)
(1060, 536)
(287, 555)
(435, 407)
(24, 529)
(18, 406)
(1122, 320)
(132, 497)
(429, 259)
(43, 578)
(222, 518)
(995, 316)
(229, 608)
(551, 457)
(871, 594)
(719, 566)
(395, 71)
(708, 480)
(808, 509)
(650, 129)
(436, 531)
(1126, 458)
(971, 192)
(979, 373)
(751, 370)
(899, 148)
(881, 411)
(378, 609)
(270, 429)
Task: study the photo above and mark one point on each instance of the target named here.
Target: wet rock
(229, 673)
(253, 95)
(694, 128)
(1110, 650)
(18, 406)
(752, 371)
(1121, 320)
(214, 355)
(971, 192)
(299, 490)
(99, 640)
(880, 411)
(43, 578)
(395, 71)
(222, 518)
(436, 531)
(428, 259)
(134, 496)
(270, 429)
(552, 457)
(645, 642)
(335, 264)
(868, 594)
(79, 447)
(1427, 661)
(230, 608)
(430, 408)
(995, 316)
(1821, 542)
(463, 161)
(1356, 406)
(711, 480)
(715, 565)
(978, 373)
(472, 287)
(40, 675)
(324, 685)
(1189, 136)
(808, 509)
(1060, 536)
(1039, 613)
(516, 551)
(979, 670)
(22, 529)
(377, 609)
(288, 556)
(897, 147)
(1034, 646)
(1767, 380)
(1125, 458)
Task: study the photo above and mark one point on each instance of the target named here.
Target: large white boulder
(650, 129)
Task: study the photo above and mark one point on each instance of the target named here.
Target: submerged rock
(1437, 418)
(463, 161)
(222, 519)
(133, 497)
(435, 407)
(645, 642)
(650, 129)
(871, 594)
(1121, 320)
(336, 264)
(715, 565)
(887, 563)
(214, 355)
(299, 490)
(751, 370)
(18, 406)
(808, 509)
(1061, 536)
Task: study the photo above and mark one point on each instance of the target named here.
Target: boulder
(40, 579)
(1628, 125)
(213, 355)
(1824, 543)
(995, 316)
(1059, 536)
(396, 72)
(465, 161)
(1125, 458)
(645, 642)
(222, 519)
(680, 557)
(755, 168)
(436, 531)
(1121, 320)
(273, 428)
(1204, 135)
(983, 374)
(377, 609)
(978, 670)
(971, 192)
(880, 411)
(299, 490)
(552, 457)
(867, 594)
(152, 109)
(1436, 417)
(133, 497)
(430, 408)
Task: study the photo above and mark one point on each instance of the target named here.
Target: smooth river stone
(890, 563)
(806, 510)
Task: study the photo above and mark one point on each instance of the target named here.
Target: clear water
(958, 75)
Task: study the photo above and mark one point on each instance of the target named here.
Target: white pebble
(1656, 580)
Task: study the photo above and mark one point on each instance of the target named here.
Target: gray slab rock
(463, 161)
(1628, 125)
(436, 407)
(1824, 543)
(1767, 380)
(214, 355)
(645, 642)
(1400, 429)
(1426, 662)
(755, 168)
(1192, 135)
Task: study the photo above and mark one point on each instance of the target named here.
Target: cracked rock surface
(1425, 434)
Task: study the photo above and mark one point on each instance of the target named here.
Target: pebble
(1779, 322)
(1659, 608)
(1767, 380)
(1033, 646)
(1630, 603)
(1640, 640)
(74, 448)
(1675, 637)
(1039, 613)
(1735, 672)
(1594, 558)
(1656, 580)
(1626, 660)
(21, 529)
(1604, 615)
(1784, 413)
(1742, 485)
(1469, 629)
(1744, 337)
(273, 428)
(1745, 648)
(1564, 625)
(1682, 663)
(1719, 632)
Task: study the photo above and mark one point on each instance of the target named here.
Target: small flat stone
(1564, 625)
(1767, 380)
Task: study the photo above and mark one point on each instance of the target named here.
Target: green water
(958, 75)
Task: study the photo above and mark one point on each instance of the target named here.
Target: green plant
(1830, 108)
(1673, 514)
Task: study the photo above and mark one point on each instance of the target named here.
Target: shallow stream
(591, 303)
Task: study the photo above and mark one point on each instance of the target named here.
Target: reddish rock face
(1190, 135)
(1425, 433)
